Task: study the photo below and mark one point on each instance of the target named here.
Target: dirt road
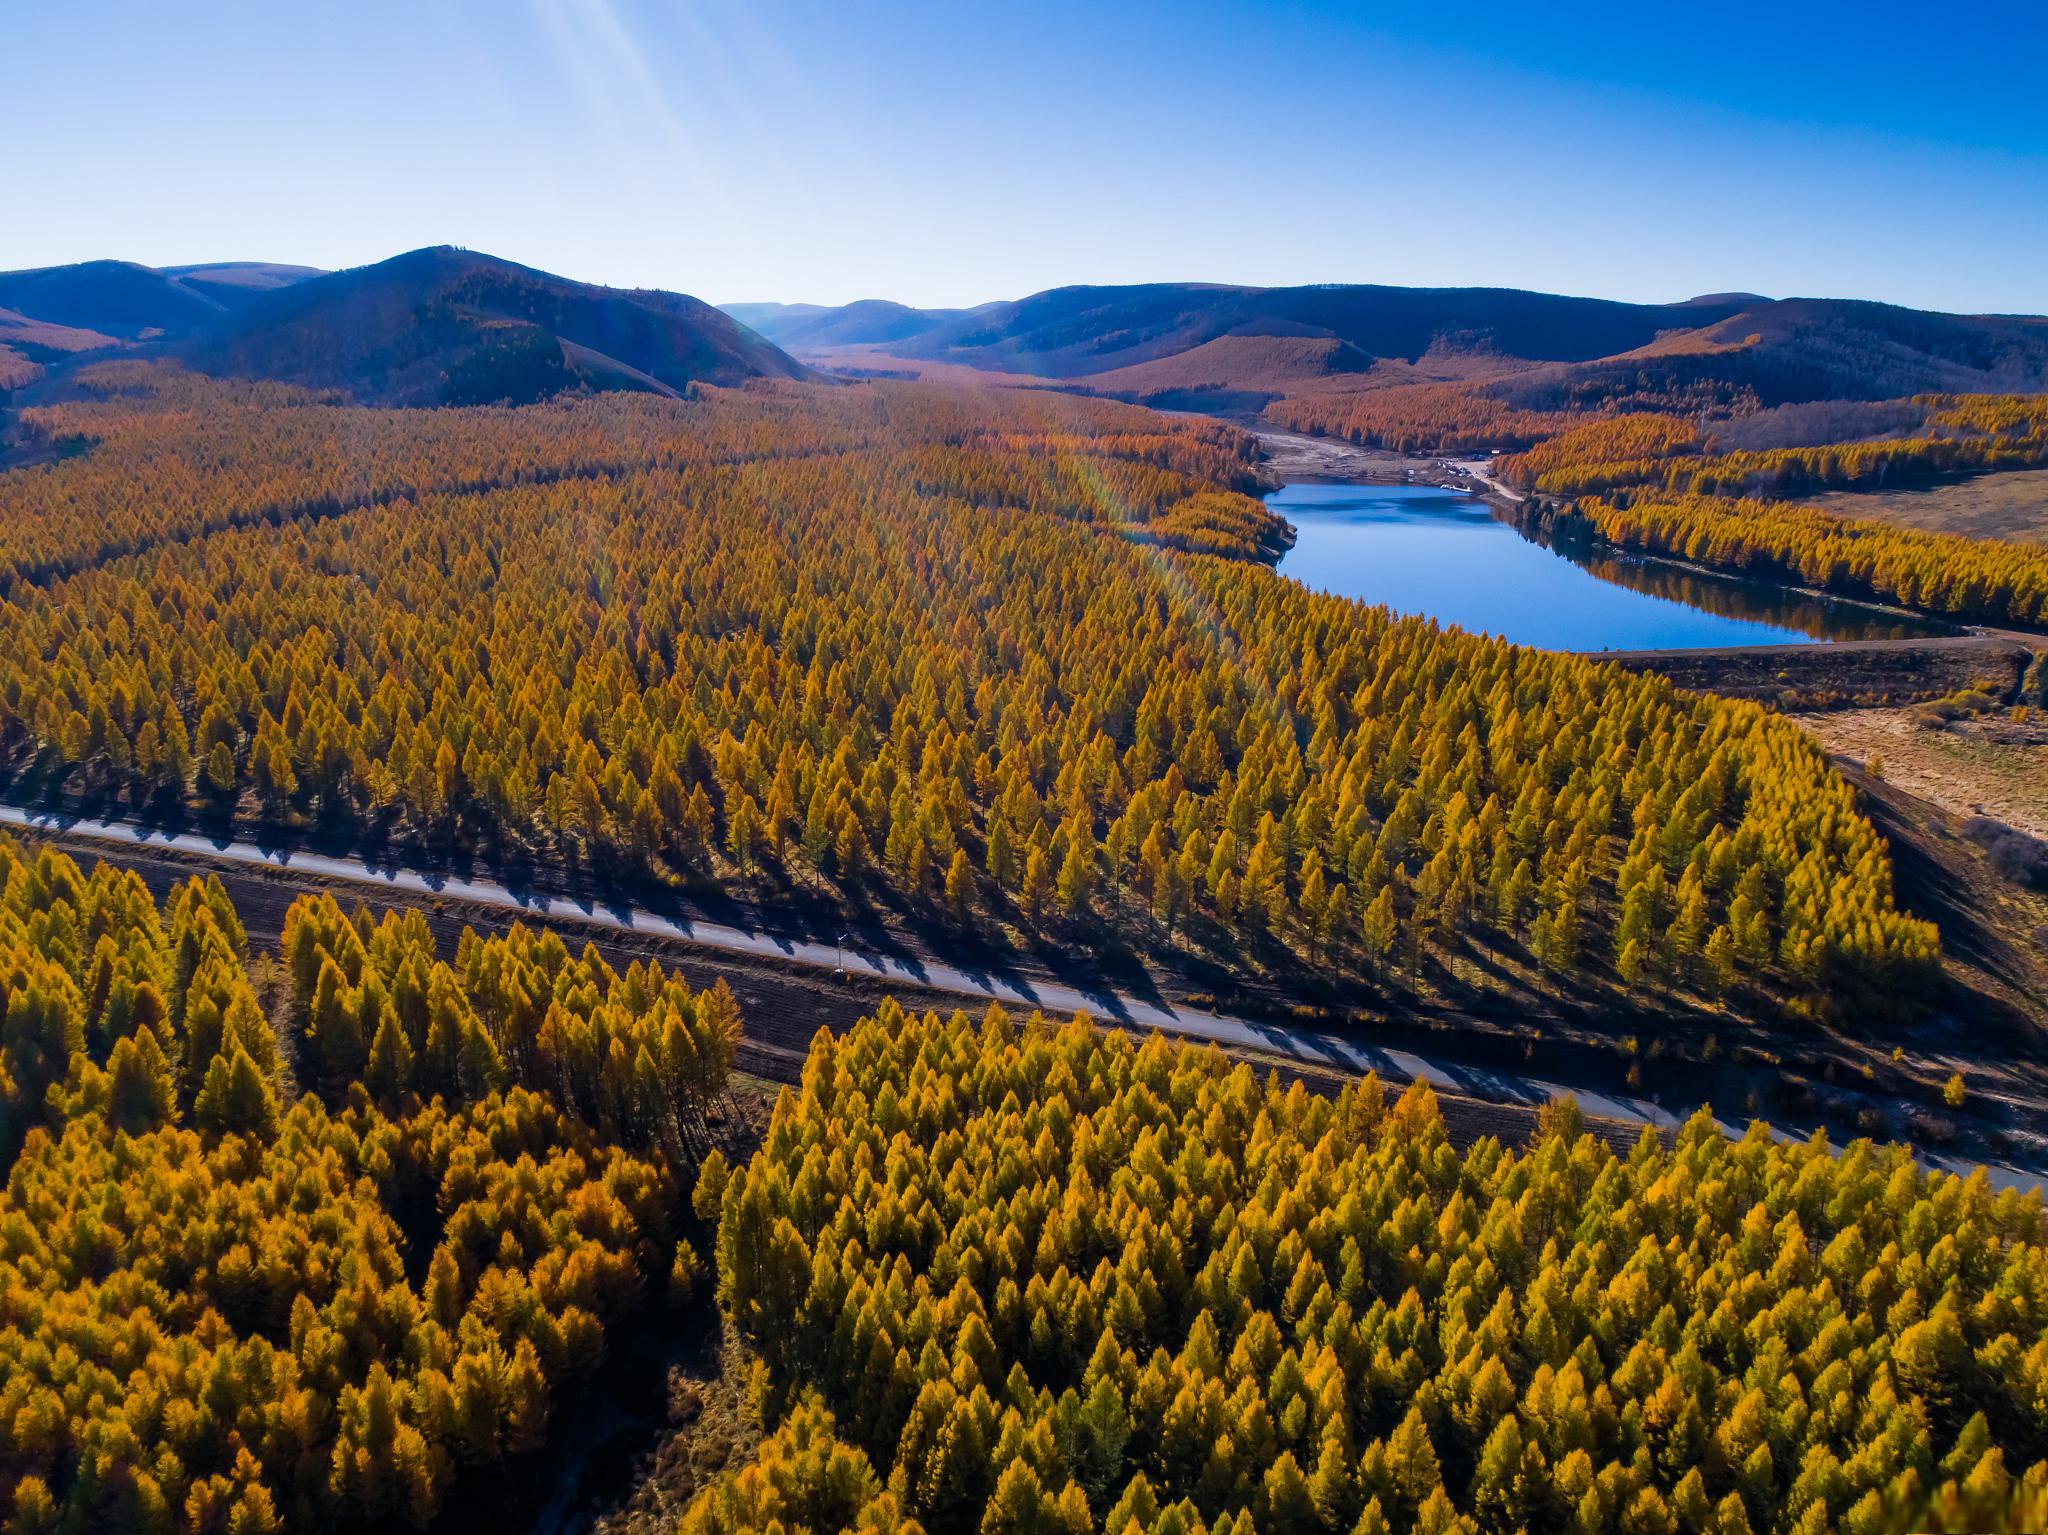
(1311, 1049)
(1296, 456)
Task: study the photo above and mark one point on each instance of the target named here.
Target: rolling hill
(1802, 349)
(442, 325)
(48, 314)
(231, 284)
(115, 300)
(433, 326)
(866, 322)
(1235, 347)
(1076, 332)
(121, 301)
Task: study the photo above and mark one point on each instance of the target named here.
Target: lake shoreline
(1302, 458)
(1435, 549)
(1614, 551)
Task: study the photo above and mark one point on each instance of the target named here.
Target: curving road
(1051, 996)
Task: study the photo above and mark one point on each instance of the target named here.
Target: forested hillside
(301, 1243)
(110, 300)
(1933, 436)
(445, 326)
(1004, 660)
(1008, 1278)
(429, 327)
(1420, 418)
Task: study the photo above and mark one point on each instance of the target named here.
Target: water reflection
(1815, 617)
(1441, 553)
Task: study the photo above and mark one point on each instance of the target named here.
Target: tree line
(1946, 573)
(1418, 418)
(1959, 434)
(1656, 483)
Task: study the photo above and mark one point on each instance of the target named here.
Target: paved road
(1051, 996)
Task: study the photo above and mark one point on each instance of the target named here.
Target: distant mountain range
(434, 326)
(1198, 343)
(448, 326)
(112, 301)
(801, 326)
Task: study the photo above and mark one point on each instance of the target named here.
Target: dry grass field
(1996, 767)
(2013, 505)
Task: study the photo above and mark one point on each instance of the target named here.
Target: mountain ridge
(1159, 341)
(445, 325)
(437, 325)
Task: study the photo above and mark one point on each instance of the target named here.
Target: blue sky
(946, 154)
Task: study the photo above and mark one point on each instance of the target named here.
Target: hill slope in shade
(1077, 332)
(232, 284)
(123, 301)
(1847, 349)
(115, 299)
(1160, 341)
(442, 325)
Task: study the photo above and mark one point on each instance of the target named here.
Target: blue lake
(1441, 553)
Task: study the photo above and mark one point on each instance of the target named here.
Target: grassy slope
(2013, 506)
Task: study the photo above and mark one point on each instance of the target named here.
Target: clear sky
(827, 150)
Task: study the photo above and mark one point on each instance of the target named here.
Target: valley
(1032, 769)
(523, 725)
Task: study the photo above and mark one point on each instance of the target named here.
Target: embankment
(1849, 673)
